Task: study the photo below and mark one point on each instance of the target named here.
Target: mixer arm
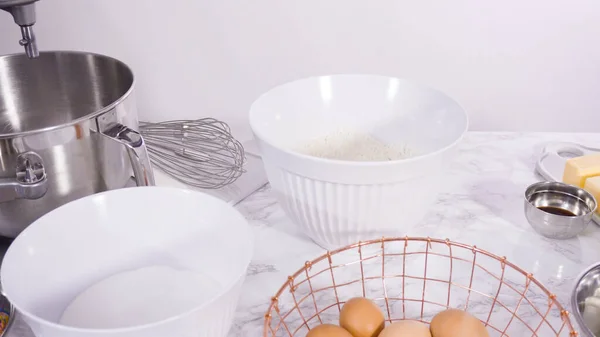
(23, 12)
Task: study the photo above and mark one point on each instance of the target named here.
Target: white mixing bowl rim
(262, 138)
(215, 297)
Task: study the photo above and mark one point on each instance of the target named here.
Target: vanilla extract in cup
(556, 211)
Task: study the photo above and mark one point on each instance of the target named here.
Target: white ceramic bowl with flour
(140, 262)
(355, 157)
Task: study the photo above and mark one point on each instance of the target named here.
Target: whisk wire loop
(200, 153)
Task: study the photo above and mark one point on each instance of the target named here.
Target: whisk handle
(136, 150)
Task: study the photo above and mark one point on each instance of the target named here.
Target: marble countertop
(482, 206)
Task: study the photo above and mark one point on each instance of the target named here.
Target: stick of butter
(579, 169)
(592, 185)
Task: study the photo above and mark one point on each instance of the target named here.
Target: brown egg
(362, 318)
(406, 329)
(328, 330)
(457, 323)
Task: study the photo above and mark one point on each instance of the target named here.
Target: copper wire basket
(415, 278)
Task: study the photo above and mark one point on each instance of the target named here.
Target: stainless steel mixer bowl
(68, 124)
(585, 286)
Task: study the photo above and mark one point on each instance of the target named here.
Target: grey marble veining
(481, 205)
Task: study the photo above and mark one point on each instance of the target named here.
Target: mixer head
(23, 12)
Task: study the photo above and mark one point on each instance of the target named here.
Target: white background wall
(514, 64)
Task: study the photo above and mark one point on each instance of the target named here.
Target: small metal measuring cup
(557, 210)
(585, 292)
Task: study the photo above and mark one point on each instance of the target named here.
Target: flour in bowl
(354, 146)
(141, 296)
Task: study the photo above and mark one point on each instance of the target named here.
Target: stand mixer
(23, 12)
(68, 127)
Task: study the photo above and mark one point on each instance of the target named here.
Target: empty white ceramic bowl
(85, 241)
(340, 202)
